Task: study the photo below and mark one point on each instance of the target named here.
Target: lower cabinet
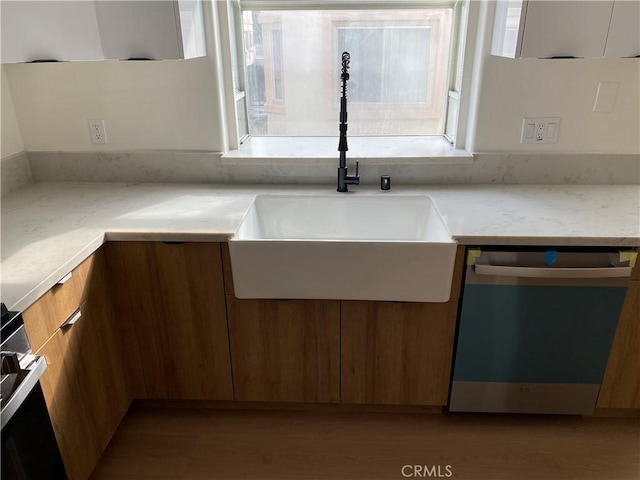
(397, 353)
(621, 384)
(342, 351)
(101, 367)
(68, 408)
(285, 350)
(400, 353)
(155, 323)
(83, 384)
(171, 306)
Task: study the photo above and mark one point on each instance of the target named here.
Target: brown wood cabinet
(285, 350)
(621, 384)
(399, 353)
(156, 324)
(44, 317)
(65, 398)
(100, 363)
(83, 385)
(171, 306)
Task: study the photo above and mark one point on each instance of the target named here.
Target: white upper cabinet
(624, 33)
(566, 28)
(49, 30)
(87, 30)
(151, 29)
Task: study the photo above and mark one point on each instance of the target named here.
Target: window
(397, 63)
(405, 74)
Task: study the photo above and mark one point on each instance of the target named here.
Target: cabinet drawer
(51, 310)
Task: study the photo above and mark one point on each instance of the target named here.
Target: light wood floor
(199, 444)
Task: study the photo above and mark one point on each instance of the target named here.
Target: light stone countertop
(50, 228)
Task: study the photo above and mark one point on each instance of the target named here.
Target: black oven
(29, 448)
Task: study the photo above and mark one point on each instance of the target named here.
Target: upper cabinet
(557, 29)
(624, 34)
(151, 29)
(34, 31)
(85, 30)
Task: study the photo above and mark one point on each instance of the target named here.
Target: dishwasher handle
(556, 272)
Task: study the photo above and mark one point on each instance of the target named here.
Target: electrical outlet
(97, 131)
(540, 130)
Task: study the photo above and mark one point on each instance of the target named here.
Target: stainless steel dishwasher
(536, 328)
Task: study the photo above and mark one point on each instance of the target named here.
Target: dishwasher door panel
(536, 333)
(535, 345)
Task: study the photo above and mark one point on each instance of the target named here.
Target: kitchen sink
(349, 247)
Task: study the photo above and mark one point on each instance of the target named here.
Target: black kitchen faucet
(344, 179)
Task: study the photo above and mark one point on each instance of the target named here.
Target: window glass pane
(365, 78)
(278, 87)
(398, 75)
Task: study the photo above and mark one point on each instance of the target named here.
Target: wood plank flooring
(208, 444)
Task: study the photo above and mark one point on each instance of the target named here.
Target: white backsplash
(15, 173)
(204, 167)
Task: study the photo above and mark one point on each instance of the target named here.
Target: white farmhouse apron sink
(343, 246)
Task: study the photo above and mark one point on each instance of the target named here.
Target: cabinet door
(46, 30)
(72, 422)
(285, 350)
(98, 361)
(158, 29)
(621, 384)
(397, 353)
(173, 295)
(566, 28)
(624, 31)
(84, 384)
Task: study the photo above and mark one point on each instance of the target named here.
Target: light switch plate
(540, 130)
(606, 97)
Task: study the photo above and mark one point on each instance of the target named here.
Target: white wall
(173, 105)
(513, 89)
(168, 105)
(10, 139)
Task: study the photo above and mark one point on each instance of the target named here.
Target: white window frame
(458, 131)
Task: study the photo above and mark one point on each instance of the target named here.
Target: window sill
(369, 150)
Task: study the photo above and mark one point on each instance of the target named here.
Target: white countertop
(50, 228)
